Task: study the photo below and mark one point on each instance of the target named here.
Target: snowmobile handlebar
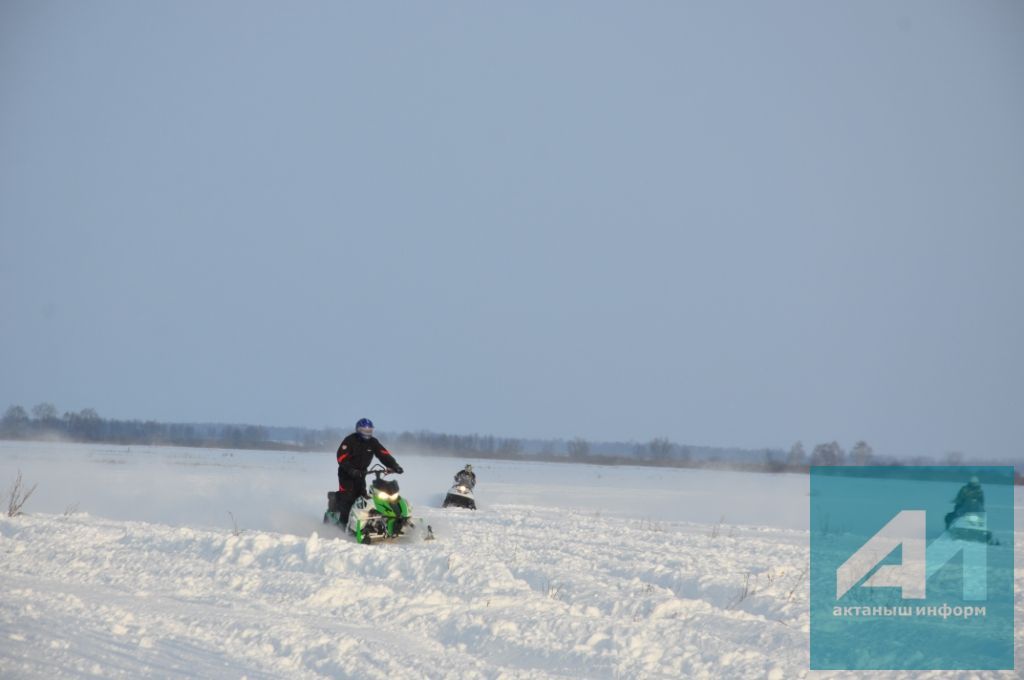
(380, 470)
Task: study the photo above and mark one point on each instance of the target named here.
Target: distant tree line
(43, 422)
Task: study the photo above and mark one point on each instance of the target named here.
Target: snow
(564, 571)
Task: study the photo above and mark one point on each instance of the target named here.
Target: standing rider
(355, 454)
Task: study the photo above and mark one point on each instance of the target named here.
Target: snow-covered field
(128, 564)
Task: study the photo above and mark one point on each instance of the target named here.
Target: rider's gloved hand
(397, 469)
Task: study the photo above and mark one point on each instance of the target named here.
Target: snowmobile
(971, 526)
(382, 513)
(461, 494)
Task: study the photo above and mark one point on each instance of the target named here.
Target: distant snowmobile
(968, 521)
(381, 514)
(971, 526)
(461, 493)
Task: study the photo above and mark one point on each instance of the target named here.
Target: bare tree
(45, 418)
(773, 461)
(660, 448)
(861, 453)
(828, 454)
(797, 456)
(579, 448)
(17, 496)
(85, 424)
(15, 422)
(44, 412)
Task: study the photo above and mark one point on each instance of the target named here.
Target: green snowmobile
(379, 514)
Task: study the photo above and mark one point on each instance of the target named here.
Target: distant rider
(355, 454)
(466, 476)
(969, 499)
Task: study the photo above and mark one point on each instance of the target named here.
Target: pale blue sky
(725, 223)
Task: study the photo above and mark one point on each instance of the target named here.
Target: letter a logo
(906, 529)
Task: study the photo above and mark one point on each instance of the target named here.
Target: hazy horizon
(735, 225)
(598, 448)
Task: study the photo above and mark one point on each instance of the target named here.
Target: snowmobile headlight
(462, 489)
(390, 497)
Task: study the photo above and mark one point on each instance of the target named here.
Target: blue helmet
(365, 427)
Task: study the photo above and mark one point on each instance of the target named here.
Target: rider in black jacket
(355, 453)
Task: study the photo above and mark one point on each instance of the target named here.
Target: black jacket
(970, 499)
(356, 453)
(466, 477)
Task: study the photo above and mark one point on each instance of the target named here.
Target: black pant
(348, 491)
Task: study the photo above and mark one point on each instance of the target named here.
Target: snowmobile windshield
(387, 486)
